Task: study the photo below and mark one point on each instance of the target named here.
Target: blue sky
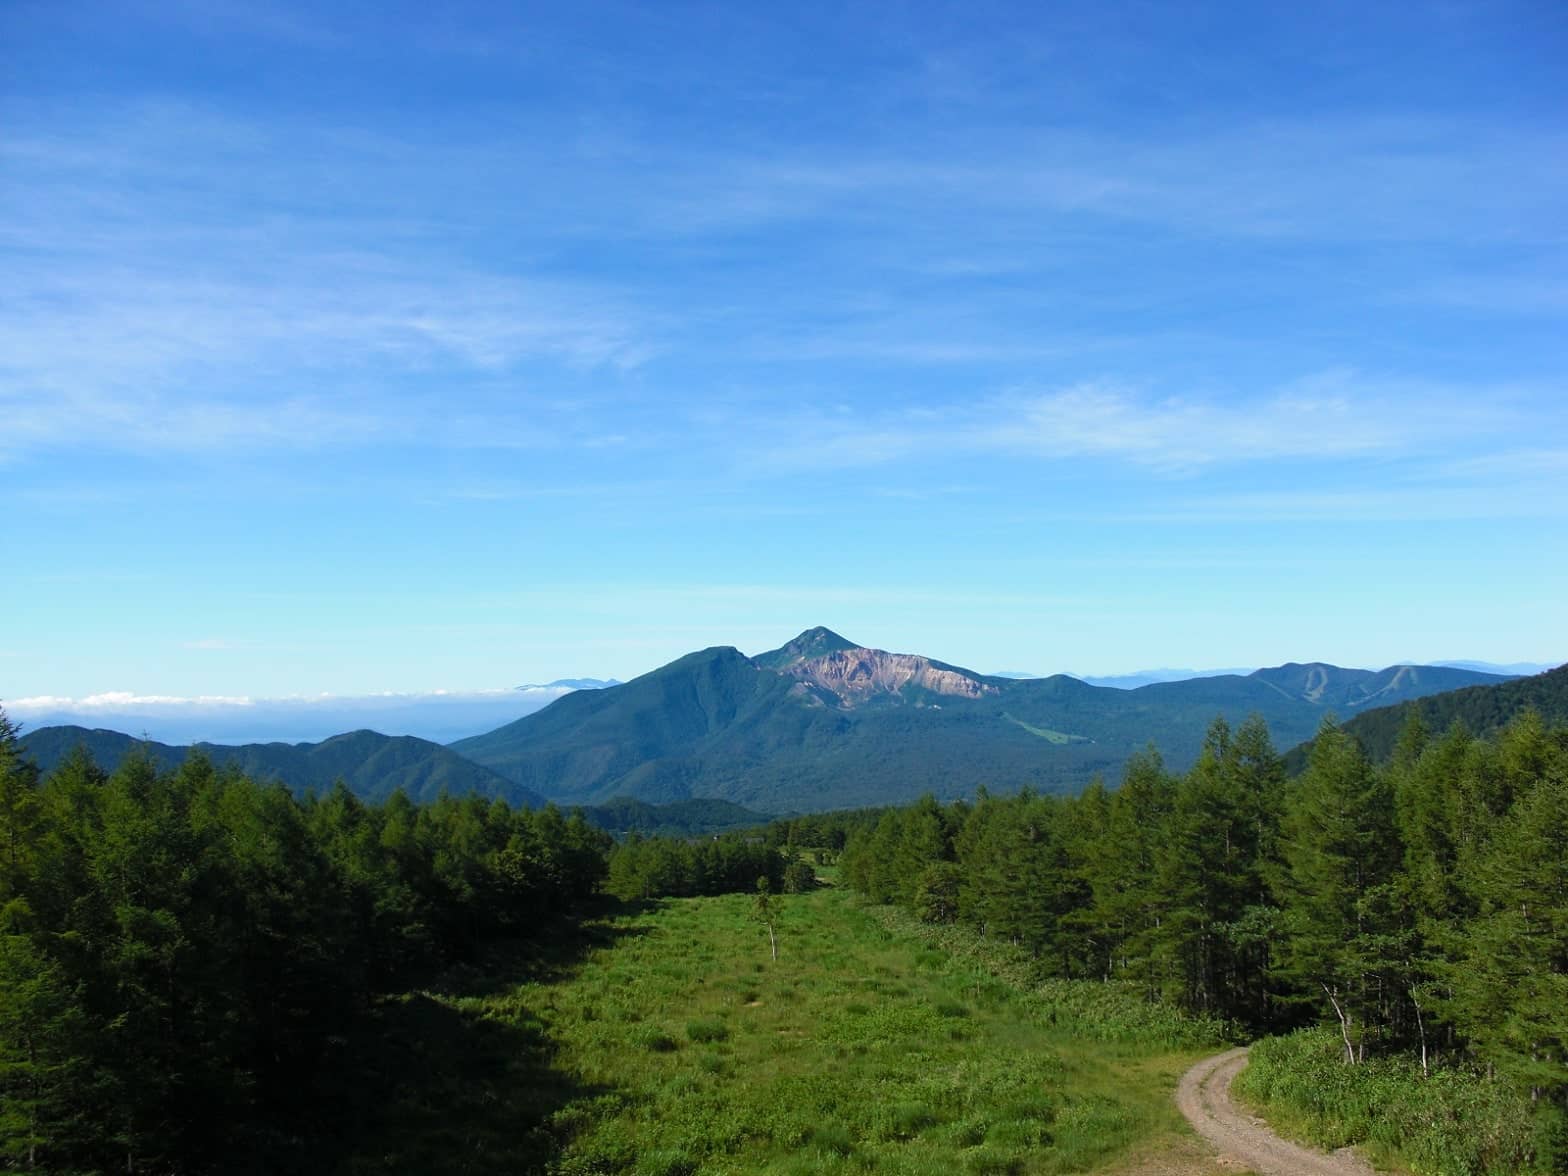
(399, 347)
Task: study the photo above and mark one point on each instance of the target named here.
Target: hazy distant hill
(1482, 709)
(1150, 677)
(372, 765)
(575, 684)
(822, 722)
(1510, 670)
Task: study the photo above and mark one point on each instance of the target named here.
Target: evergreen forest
(200, 973)
(193, 967)
(1417, 911)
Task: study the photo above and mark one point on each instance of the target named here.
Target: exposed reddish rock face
(855, 675)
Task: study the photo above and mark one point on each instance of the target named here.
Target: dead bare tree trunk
(1344, 1025)
(1420, 1028)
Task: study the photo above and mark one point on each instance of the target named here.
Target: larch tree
(1338, 843)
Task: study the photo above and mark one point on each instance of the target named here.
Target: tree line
(183, 953)
(673, 867)
(1419, 907)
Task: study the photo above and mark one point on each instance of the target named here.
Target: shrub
(799, 877)
(706, 1029)
(832, 1139)
(1454, 1123)
(657, 1041)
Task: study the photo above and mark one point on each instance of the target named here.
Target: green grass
(1453, 1123)
(1114, 1016)
(1060, 738)
(869, 1046)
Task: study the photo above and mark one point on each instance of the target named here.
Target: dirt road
(1204, 1097)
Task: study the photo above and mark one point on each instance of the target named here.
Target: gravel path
(1204, 1097)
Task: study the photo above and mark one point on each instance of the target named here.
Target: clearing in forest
(680, 1046)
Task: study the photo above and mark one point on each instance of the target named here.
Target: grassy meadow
(675, 1044)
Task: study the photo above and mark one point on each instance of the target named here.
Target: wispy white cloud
(1336, 415)
(151, 362)
(1527, 294)
(233, 18)
(181, 280)
(1351, 178)
(124, 699)
(1374, 504)
(1509, 462)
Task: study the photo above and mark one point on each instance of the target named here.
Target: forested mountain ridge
(1482, 709)
(372, 765)
(1344, 691)
(825, 723)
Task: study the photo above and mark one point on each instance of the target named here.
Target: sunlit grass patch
(1454, 1121)
(864, 1048)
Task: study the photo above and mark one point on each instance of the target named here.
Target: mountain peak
(854, 676)
(816, 642)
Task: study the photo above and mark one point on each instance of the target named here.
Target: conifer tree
(1212, 942)
(1338, 844)
(1510, 971)
(1122, 870)
(42, 1042)
(19, 814)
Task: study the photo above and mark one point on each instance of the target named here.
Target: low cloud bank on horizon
(442, 716)
(439, 715)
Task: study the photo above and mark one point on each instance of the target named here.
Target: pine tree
(1338, 844)
(42, 1043)
(1510, 974)
(1212, 943)
(19, 815)
(1122, 871)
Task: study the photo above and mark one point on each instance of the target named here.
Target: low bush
(706, 1029)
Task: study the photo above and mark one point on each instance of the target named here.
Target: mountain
(1342, 690)
(1511, 670)
(824, 723)
(372, 765)
(1150, 677)
(813, 643)
(1482, 709)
